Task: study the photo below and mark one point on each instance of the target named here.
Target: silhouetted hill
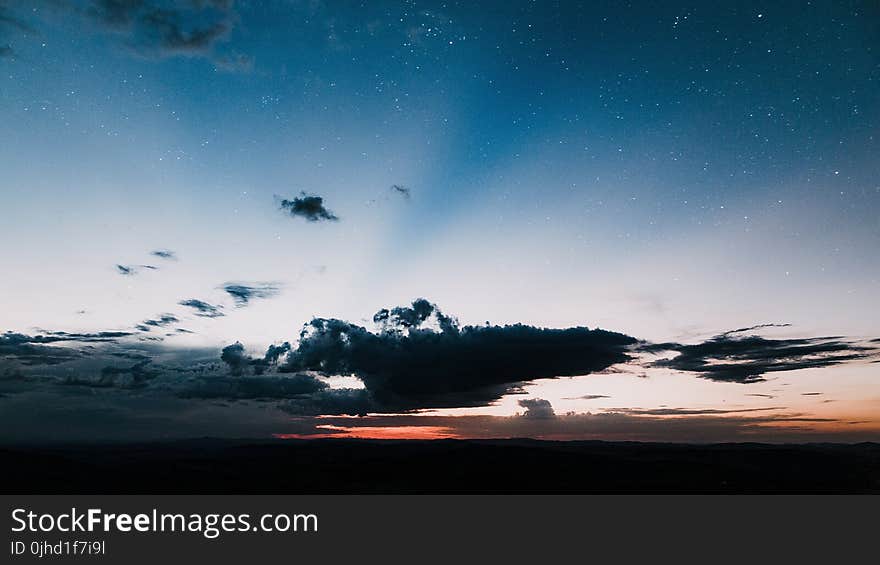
(444, 466)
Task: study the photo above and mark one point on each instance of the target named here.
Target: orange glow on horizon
(376, 432)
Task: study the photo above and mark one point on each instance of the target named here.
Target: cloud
(339, 401)
(537, 408)
(33, 350)
(203, 309)
(238, 361)
(11, 26)
(752, 328)
(166, 28)
(413, 358)
(131, 270)
(243, 293)
(310, 207)
(10, 21)
(420, 358)
(401, 190)
(689, 411)
(236, 62)
(164, 254)
(160, 322)
(56, 336)
(588, 397)
(130, 377)
(272, 387)
(731, 357)
(27, 351)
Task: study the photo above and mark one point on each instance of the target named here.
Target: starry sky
(182, 177)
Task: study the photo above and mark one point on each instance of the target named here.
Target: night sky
(425, 209)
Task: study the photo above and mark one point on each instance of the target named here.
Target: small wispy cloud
(243, 293)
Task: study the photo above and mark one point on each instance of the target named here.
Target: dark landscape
(441, 466)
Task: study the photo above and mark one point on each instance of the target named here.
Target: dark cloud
(588, 397)
(28, 350)
(310, 207)
(537, 408)
(238, 361)
(338, 401)
(243, 293)
(421, 358)
(11, 26)
(164, 254)
(234, 356)
(402, 318)
(732, 357)
(752, 328)
(401, 190)
(811, 394)
(55, 336)
(10, 21)
(203, 309)
(33, 350)
(761, 395)
(160, 322)
(166, 28)
(130, 377)
(274, 387)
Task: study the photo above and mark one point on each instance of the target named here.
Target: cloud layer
(413, 358)
(734, 357)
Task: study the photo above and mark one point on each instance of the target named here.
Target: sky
(187, 183)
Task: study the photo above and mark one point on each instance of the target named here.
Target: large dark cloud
(734, 357)
(243, 293)
(308, 206)
(420, 358)
(202, 308)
